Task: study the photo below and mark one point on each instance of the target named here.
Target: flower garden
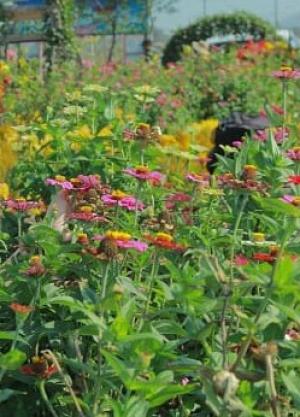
(133, 282)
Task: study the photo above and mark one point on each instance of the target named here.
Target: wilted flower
(20, 308)
(36, 268)
(249, 172)
(39, 367)
(176, 198)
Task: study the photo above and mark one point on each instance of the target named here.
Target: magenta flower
(124, 243)
(60, 181)
(281, 134)
(294, 154)
(261, 135)
(89, 181)
(199, 179)
(287, 73)
(126, 201)
(237, 143)
(291, 199)
(144, 174)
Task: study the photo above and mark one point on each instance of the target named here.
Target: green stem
(41, 386)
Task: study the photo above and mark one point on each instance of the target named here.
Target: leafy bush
(239, 23)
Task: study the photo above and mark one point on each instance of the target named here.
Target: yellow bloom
(167, 140)
(82, 132)
(115, 235)
(8, 157)
(118, 194)
(4, 191)
(258, 237)
(164, 236)
(105, 131)
(183, 139)
(204, 132)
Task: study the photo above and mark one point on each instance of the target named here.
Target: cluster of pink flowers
(80, 183)
(280, 134)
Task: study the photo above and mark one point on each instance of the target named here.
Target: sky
(190, 10)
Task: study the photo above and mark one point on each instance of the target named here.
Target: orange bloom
(20, 308)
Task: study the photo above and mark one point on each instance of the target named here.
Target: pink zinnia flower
(286, 73)
(60, 181)
(23, 205)
(176, 198)
(122, 200)
(241, 260)
(237, 143)
(291, 199)
(281, 134)
(294, 154)
(87, 63)
(89, 181)
(162, 99)
(125, 243)
(261, 135)
(200, 179)
(144, 174)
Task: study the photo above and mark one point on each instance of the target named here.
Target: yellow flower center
(286, 68)
(34, 260)
(82, 236)
(296, 201)
(118, 194)
(86, 209)
(20, 200)
(164, 236)
(60, 178)
(250, 168)
(115, 235)
(141, 169)
(258, 237)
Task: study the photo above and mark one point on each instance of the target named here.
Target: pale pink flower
(199, 179)
(60, 182)
(287, 74)
(144, 174)
(126, 244)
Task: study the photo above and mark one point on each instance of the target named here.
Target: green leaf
(277, 206)
(292, 383)
(10, 335)
(7, 393)
(164, 394)
(12, 360)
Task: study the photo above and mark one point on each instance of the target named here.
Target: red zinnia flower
(264, 257)
(294, 179)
